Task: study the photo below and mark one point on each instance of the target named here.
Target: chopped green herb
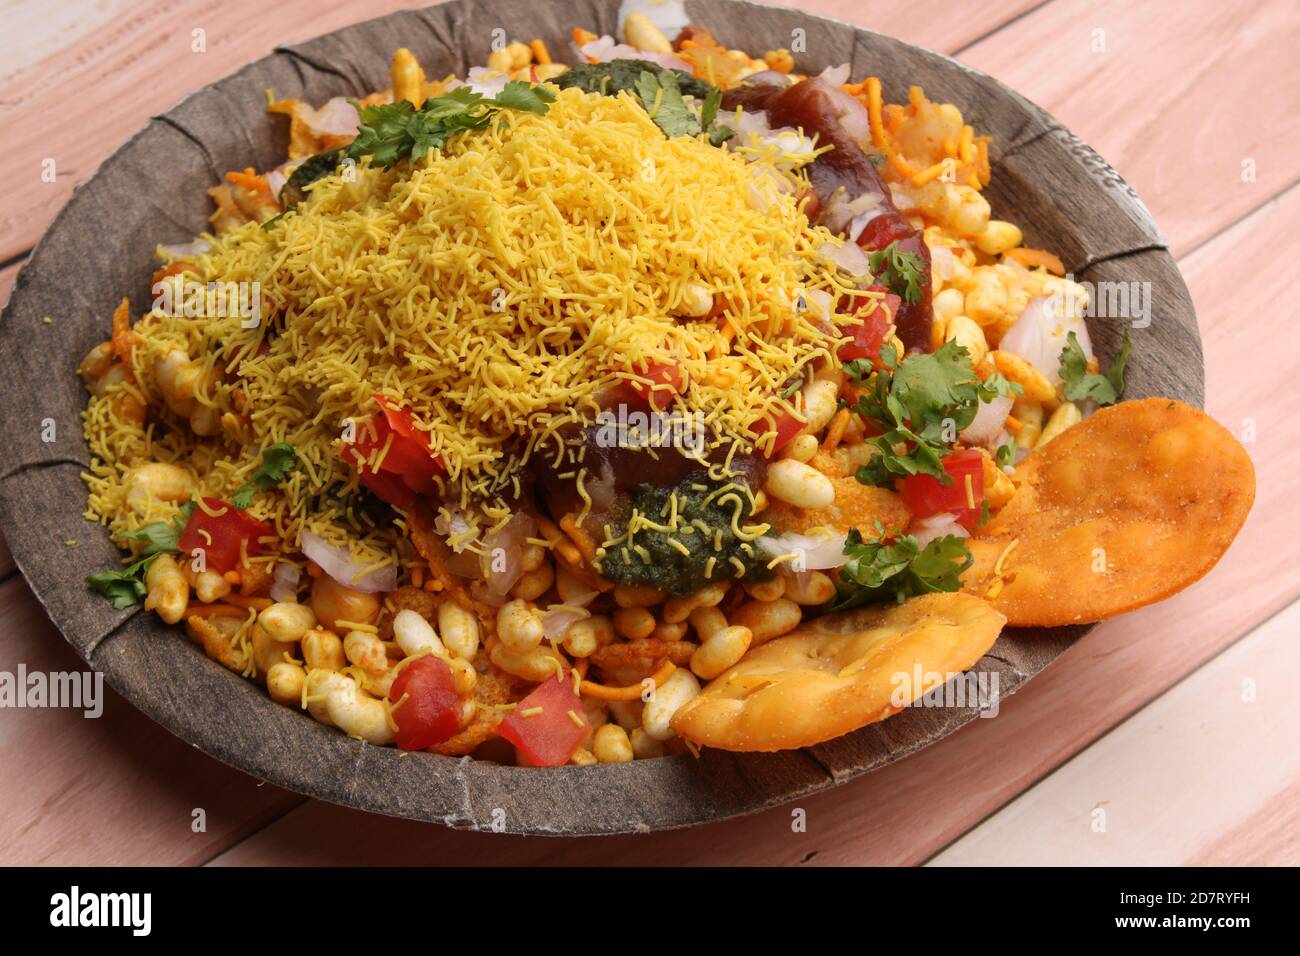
(1082, 385)
(902, 273)
(881, 569)
(662, 98)
(277, 461)
(124, 587)
(921, 404)
(392, 132)
(304, 174)
(1006, 454)
(616, 76)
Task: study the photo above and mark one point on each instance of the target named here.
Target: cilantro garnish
(277, 461)
(903, 273)
(123, 587)
(1006, 454)
(661, 95)
(392, 132)
(1082, 385)
(880, 569)
(920, 404)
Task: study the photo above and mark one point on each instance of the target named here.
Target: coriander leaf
(880, 569)
(921, 405)
(275, 220)
(1082, 385)
(391, 132)
(527, 97)
(124, 587)
(662, 99)
(277, 461)
(903, 273)
(1006, 454)
(157, 537)
(615, 76)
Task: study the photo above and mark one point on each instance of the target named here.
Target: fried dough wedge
(838, 673)
(1124, 509)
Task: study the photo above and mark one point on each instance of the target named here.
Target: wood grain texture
(906, 813)
(1167, 787)
(106, 70)
(1178, 99)
(114, 789)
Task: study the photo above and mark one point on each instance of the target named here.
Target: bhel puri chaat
(670, 399)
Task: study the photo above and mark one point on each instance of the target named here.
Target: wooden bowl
(152, 190)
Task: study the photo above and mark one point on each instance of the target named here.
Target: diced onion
(558, 618)
(337, 562)
(606, 48)
(284, 583)
(836, 75)
(815, 552)
(925, 530)
(1039, 335)
(988, 422)
(847, 255)
(185, 250)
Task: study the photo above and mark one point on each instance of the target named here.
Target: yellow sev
(493, 290)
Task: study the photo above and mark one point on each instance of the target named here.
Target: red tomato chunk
(547, 738)
(927, 496)
(430, 714)
(219, 535)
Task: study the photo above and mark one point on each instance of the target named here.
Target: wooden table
(1165, 737)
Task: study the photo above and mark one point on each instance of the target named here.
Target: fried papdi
(1122, 510)
(856, 506)
(838, 673)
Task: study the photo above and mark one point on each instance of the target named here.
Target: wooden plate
(152, 190)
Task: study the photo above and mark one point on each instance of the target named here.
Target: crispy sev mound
(493, 290)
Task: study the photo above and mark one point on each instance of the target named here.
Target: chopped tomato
(407, 469)
(540, 726)
(786, 427)
(430, 714)
(220, 535)
(670, 374)
(926, 496)
(871, 330)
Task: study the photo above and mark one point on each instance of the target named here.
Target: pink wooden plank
(106, 76)
(1187, 102)
(1214, 755)
(907, 812)
(113, 790)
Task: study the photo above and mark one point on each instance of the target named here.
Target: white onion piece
(669, 16)
(836, 75)
(821, 305)
(503, 560)
(337, 563)
(603, 49)
(184, 250)
(852, 115)
(486, 81)
(768, 78)
(902, 196)
(988, 422)
(452, 522)
(754, 129)
(284, 583)
(943, 264)
(337, 117)
(848, 256)
(558, 618)
(926, 530)
(1040, 334)
(816, 552)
